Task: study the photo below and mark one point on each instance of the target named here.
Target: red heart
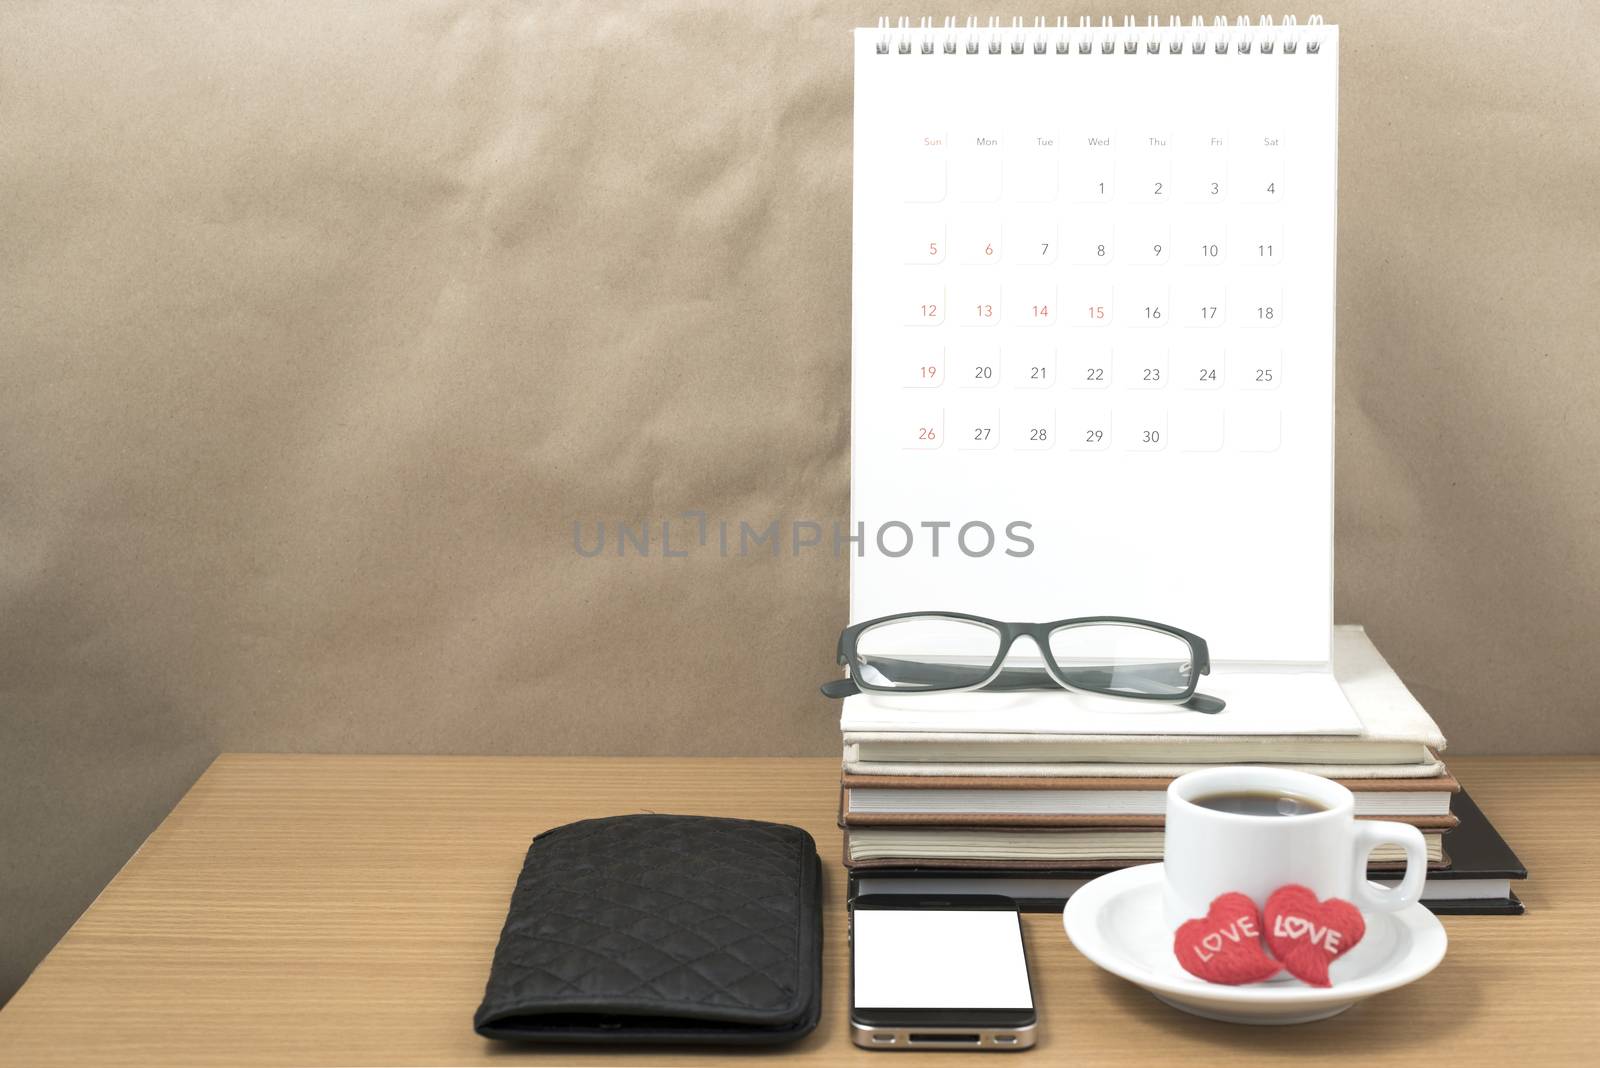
(1225, 946)
(1307, 935)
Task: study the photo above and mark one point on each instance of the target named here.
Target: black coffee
(1261, 803)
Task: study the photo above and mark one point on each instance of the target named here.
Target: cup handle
(1369, 834)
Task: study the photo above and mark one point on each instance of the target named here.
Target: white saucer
(1116, 922)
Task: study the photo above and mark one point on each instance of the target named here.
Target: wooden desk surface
(338, 910)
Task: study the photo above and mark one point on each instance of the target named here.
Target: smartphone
(939, 972)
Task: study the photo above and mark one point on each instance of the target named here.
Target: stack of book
(942, 806)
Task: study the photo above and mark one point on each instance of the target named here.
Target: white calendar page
(1095, 293)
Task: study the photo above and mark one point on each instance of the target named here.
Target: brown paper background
(322, 323)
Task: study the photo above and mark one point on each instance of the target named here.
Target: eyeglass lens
(926, 653)
(1122, 658)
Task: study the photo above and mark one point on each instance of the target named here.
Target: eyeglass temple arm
(1013, 678)
(951, 677)
(837, 688)
(1024, 678)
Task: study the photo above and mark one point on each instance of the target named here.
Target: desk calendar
(1094, 295)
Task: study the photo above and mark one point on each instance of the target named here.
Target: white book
(1394, 730)
(1097, 799)
(1260, 702)
(1133, 768)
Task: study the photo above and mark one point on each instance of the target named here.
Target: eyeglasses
(949, 652)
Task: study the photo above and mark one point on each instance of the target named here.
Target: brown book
(1041, 848)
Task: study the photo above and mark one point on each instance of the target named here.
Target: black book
(1477, 882)
(1482, 868)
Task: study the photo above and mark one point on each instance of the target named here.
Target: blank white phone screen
(939, 959)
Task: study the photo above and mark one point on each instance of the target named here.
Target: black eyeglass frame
(999, 677)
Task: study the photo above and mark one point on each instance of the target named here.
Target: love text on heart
(1237, 931)
(1300, 929)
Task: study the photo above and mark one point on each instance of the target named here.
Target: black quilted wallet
(684, 929)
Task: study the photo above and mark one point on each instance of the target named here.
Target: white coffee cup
(1209, 853)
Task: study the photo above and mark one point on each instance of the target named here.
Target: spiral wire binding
(1220, 37)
